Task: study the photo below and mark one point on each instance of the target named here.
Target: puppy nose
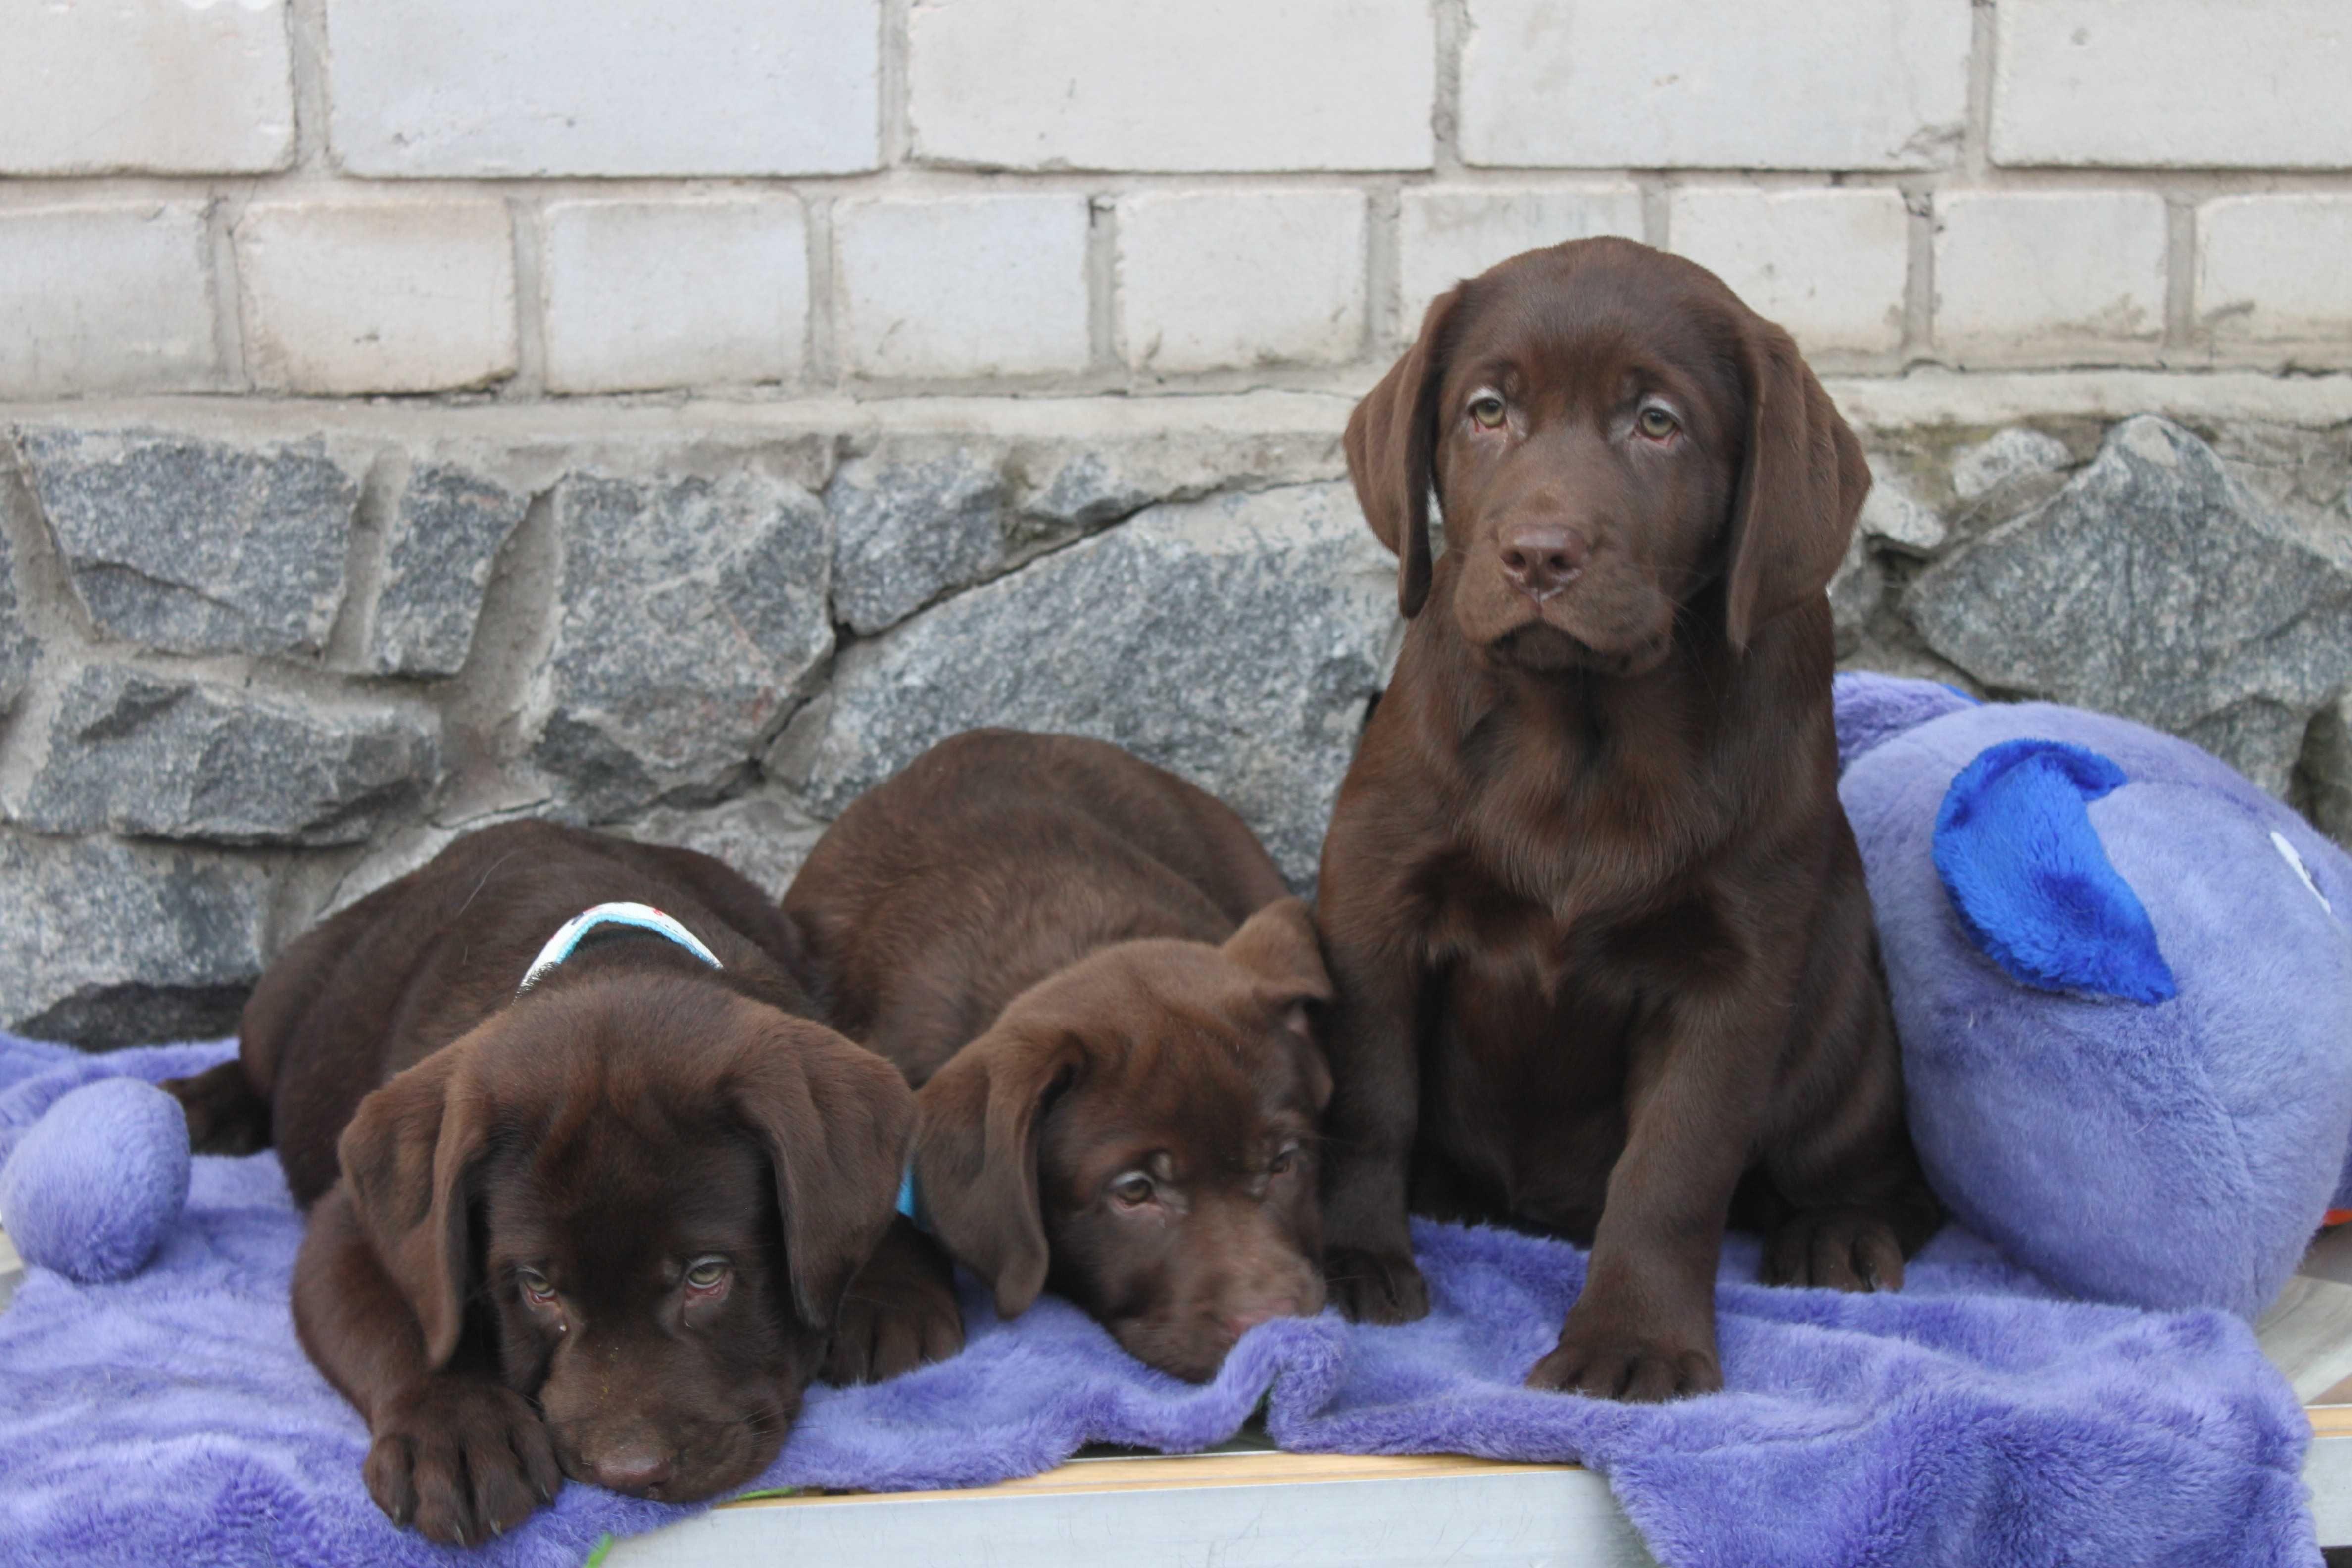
(634, 1469)
(1241, 1319)
(1543, 558)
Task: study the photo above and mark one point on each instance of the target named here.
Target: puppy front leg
(1643, 1326)
(454, 1452)
(1368, 1132)
(900, 1311)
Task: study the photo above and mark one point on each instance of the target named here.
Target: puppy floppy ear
(836, 1120)
(1391, 447)
(1279, 947)
(1799, 492)
(406, 1157)
(976, 1156)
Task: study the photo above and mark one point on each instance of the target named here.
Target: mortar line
(821, 366)
(525, 218)
(1102, 281)
(896, 129)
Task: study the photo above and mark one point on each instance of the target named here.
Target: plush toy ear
(836, 1120)
(406, 1156)
(976, 1156)
(2030, 882)
(1800, 490)
(1392, 444)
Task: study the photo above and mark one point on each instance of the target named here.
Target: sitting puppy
(1119, 1088)
(1602, 952)
(585, 1193)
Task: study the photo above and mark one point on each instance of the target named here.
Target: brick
(106, 298)
(1214, 279)
(360, 297)
(962, 286)
(688, 293)
(426, 87)
(1766, 84)
(156, 86)
(2271, 270)
(2038, 277)
(1446, 234)
(1830, 266)
(2173, 84)
(1173, 84)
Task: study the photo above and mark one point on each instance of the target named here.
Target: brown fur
(632, 1118)
(1603, 954)
(1093, 974)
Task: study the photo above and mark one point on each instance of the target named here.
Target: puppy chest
(1523, 1088)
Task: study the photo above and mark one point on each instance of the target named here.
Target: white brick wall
(105, 299)
(1172, 84)
(2275, 269)
(1758, 84)
(1830, 266)
(644, 294)
(604, 87)
(1214, 279)
(157, 85)
(2174, 83)
(963, 286)
(1450, 233)
(361, 297)
(2018, 271)
(580, 197)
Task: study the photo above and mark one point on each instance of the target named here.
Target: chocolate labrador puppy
(585, 1194)
(1603, 957)
(1093, 976)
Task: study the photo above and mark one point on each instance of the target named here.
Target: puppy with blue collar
(588, 1184)
(1107, 1001)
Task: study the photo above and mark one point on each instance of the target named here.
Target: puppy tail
(225, 1114)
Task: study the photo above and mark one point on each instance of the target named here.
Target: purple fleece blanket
(1970, 1419)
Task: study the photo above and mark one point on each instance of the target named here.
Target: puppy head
(1615, 439)
(646, 1197)
(1139, 1129)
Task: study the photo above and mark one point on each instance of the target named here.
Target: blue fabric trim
(2031, 883)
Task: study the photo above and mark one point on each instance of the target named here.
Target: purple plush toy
(93, 1188)
(2123, 978)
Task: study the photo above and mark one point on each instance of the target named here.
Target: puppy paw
(1610, 1362)
(900, 1311)
(1372, 1286)
(462, 1460)
(1836, 1248)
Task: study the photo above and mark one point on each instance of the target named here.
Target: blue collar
(907, 1204)
(643, 917)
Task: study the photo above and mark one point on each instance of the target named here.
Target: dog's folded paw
(900, 1312)
(462, 1460)
(1372, 1286)
(1610, 1362)
(1835, 1248)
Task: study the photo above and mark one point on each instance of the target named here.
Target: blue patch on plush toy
(93, 1187)
(2029, 864)
(2017, 852)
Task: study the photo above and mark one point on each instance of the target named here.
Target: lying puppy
(580, 1206)
(1119, 1088)
(1597, 924)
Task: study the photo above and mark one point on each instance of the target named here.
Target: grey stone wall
(254, 661)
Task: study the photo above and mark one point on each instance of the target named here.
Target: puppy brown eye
(707, 1273)
(1132, 1190)
(1282, 1164)
(535, 1288)
(1487, 412)
(1656, 423)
